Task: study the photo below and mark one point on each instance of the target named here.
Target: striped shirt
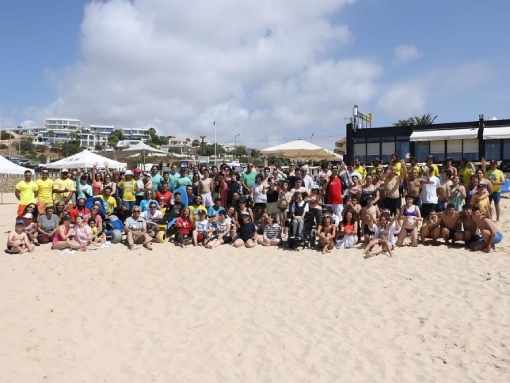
(273, 231)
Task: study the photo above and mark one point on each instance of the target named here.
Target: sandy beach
(430, 314)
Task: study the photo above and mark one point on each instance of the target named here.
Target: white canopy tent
(85, 159)
(8, 167)
(301, 149)
(440, 135)
(497, 133)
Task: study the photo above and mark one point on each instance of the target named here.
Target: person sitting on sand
(63, 238)
(451, 225)
(430, 228)
(17, 240)
(97, 236)
(411, 217)
(468, 225)
(327, 234)
(247, 233)
(136, 230)
(221, 234)
(348, 231)
(272, 231)
(202, 227)
(82, 232)
(384, 237)
(183, 227)
(490, 235)
(31, 229)
(47, 225)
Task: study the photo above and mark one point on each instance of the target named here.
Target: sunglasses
(136, 211)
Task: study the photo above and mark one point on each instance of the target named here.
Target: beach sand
(430, 314)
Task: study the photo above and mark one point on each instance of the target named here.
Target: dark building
(471, 140)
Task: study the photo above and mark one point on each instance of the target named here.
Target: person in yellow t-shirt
(45, 192)
(359, 168)
(497, 178)
(466, 171)
(26, 192)
(129, 188)
(375, 165)
(110, 203)
(394, 161)
(413, 165)
(64, 188)
(430, 163)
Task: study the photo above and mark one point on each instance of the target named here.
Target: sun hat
(20, 222)
(128, 173)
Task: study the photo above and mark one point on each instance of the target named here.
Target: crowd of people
(348, 204)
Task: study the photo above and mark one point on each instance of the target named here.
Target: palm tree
(426, 119)
(195, 144)
(203, 145)
(408, 122)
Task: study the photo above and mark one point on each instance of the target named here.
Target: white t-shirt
(221, 227)
(429, 192)
(258, 197)
(202, 226)
(148, 216)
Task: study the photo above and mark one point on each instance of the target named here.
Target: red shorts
(201, 237)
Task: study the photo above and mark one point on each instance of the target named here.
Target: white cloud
(263, 67)
(405, 52)
(406, 98)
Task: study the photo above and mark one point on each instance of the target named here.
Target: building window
(492, 150)
(506, 150)
(422, 150)
(388, 148)
(359, 140)
(373, 151)
(360, 150)
(373, 139)
(454, 149)
(470, 150)
(402, 148)
(437, 150)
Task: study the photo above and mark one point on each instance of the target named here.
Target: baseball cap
(493, 162)
(65, 170)
(20, 222)
(147, 174)
(138, 170)
(315, 187)
(28, 216)
(376, 160)
(430, 156)
(128, 173)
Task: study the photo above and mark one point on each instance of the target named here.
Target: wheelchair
(307, 238)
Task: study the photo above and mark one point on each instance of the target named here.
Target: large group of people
(349, 205)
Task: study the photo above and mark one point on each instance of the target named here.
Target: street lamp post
(311, 138)
(235, 145)
(203, 146)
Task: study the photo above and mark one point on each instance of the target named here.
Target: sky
(270, 71)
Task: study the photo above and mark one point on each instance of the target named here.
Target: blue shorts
(495, 196)
(497, 239)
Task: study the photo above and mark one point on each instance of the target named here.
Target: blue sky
(176, 66)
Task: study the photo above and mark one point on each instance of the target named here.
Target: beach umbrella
(301, 149)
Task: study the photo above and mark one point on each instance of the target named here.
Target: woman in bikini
(326, 234)
(410, 218)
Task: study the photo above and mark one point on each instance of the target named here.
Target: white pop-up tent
(301, 149)
(8, 167)
(85, 159)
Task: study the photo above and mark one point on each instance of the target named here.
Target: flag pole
(215, 136)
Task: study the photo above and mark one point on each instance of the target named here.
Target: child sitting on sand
(97, 237)
(17, 241)
(384, 237)
(30, 229)
(370, 210)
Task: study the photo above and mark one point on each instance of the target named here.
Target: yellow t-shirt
(399, 167)
(26, 192)
(435, 171)
(109, 204)
(128, 190)
(45, 192)
(362, 171)
(413, 167)
(61, 184)
(465, 175)
(196, 207)
(497, 176)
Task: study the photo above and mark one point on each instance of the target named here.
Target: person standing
(496, 178)
(64, 188)
(333, 188)
(26, 191)
(44, 192)
(429, 192)
(247, 180)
